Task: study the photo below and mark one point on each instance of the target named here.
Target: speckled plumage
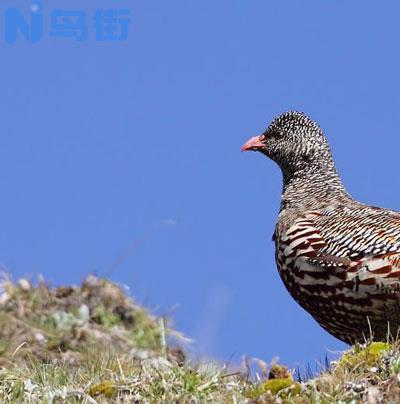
(338, 258)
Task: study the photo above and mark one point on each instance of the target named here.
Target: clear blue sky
(126, 154)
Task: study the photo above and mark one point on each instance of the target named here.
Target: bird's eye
(275, 134)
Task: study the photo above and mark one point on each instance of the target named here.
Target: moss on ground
(366, 356)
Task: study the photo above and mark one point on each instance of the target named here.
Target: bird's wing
(361, 240)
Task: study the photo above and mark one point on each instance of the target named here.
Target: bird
(337, 257)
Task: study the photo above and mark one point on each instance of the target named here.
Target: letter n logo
(15, 21)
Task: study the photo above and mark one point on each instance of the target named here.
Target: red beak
(255, 143)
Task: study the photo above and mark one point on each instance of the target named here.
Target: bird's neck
(312, 187)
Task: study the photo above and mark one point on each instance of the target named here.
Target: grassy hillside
(93, 344)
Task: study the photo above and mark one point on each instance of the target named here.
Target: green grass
(93, 344)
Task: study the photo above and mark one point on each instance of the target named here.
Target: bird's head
(293, 141)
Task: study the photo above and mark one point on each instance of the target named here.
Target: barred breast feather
(346, 260)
